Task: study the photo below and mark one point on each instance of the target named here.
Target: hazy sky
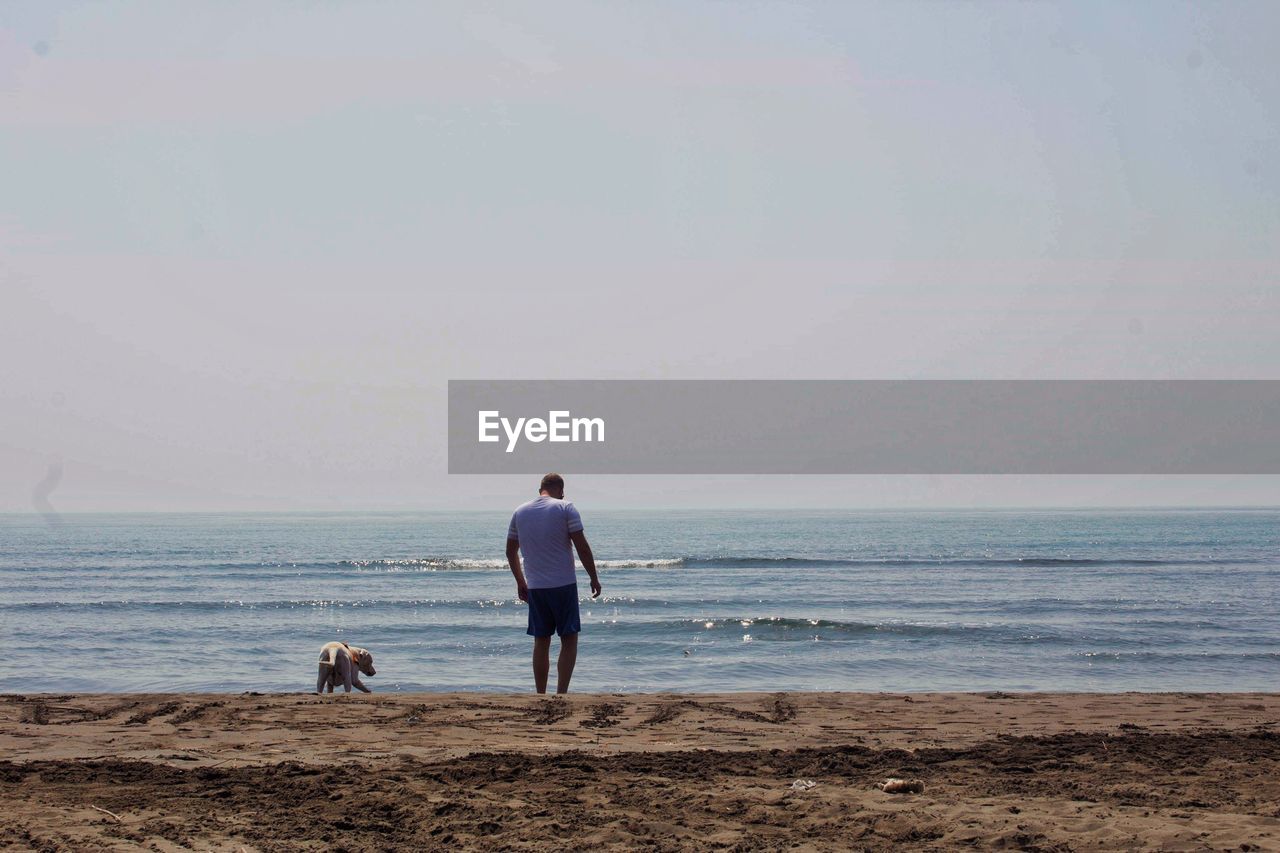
(244, 245)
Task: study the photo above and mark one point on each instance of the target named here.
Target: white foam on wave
(436, 564)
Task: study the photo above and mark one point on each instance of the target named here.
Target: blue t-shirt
(542, 527)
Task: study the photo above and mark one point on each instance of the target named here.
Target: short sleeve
(571, 516)
(511, 529)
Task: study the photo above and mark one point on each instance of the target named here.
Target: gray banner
(864, 426)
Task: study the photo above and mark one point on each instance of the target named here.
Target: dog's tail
(329, 654)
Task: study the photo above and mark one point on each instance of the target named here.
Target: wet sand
(1169, 771)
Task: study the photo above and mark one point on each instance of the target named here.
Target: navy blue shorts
(554, 610)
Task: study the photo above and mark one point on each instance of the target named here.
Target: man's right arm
(513, 560)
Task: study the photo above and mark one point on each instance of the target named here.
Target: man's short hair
(551, 482)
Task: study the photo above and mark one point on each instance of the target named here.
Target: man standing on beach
(542, 531)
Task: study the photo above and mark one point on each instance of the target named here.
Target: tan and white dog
(342, 664)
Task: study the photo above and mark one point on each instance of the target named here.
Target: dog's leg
(344, 670)
(325, 678)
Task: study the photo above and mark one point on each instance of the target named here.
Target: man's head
(552, 486)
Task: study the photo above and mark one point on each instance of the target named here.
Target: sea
(694, 601)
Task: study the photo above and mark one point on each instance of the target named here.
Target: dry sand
(427, 771)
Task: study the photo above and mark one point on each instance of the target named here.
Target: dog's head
(364, 660)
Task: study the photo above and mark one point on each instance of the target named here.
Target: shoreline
(1047, 771)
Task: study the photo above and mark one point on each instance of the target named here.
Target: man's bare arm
(588, 560)
(513, 560)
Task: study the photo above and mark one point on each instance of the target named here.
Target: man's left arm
(588, 560)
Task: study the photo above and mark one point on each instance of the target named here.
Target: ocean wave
(1170, 657)
(765, 626)
(465, 605)
(281, 568)
(236, 604)
(909, 561)
(432, 564)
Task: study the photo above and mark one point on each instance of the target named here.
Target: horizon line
(760, 508)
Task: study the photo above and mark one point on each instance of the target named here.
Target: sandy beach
(664, 772)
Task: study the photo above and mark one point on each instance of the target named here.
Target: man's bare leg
(541, 662)
(564, 663)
